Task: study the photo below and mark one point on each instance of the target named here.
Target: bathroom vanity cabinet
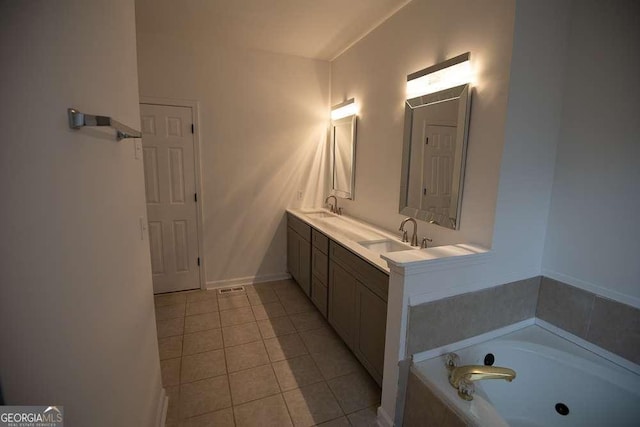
(299, 252)
(357, 306)
(349, 291)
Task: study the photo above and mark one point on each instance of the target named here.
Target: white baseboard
(249, 280)
(163, 406)
(448, 348)
(384, 420)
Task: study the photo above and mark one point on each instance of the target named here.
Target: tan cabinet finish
(320, 265)
(358, 306)
(319, 295)
(319, 270)
(349, 291)
(373, 278)
(320, 241)
(300, 227)
(371, 326)
(299, 252)
(342, 303)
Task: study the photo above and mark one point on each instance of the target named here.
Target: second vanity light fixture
(450, 73)
(345, 109)
(343, 148)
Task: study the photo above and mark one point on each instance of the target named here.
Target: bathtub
(552, 375)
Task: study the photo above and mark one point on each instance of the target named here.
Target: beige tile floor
(264, 357)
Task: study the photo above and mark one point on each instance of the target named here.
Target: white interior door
(169, 174)
(439, 149)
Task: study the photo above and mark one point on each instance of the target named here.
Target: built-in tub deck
(558, 383)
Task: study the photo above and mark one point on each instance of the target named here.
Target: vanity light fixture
(344, 109)
(450, 73)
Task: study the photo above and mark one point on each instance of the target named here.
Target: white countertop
(349, 231)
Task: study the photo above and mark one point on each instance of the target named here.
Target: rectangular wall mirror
(434, 153)
(343, 151)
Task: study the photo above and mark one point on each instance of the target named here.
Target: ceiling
(320, 29)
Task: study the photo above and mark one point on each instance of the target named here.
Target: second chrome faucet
(405, 238)
(333, 207)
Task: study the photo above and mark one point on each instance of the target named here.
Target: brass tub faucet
(463, 377)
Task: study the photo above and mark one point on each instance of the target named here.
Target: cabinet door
(319, 295)
(299, 259)
(293, 259)
(319, 264)
(371, 326)
(304, 265)
(342, 300)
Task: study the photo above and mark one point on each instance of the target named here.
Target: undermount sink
(385, 245)
(320, 214)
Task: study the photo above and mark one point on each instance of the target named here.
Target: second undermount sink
(385, 245)
(321, 214)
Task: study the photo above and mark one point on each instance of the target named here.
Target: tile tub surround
(456, 318)
(265, 357)
(609, 324)
(424, 408)
(606, 323)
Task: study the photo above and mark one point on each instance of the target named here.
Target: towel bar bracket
(78, 120)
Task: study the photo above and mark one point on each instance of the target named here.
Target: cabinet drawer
(319, 295)
(299, 226)
(320, 241)
(370, 276)
(320, 265)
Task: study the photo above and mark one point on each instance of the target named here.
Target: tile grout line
(324, 379)
(270, 363)
(281, 394)
(179, 394)
(281, 391)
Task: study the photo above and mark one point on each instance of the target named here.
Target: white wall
(531, 135)
(77, 324)
(512, 140)
(374, 71)
(593, 232)
(264, 121)
(515, 120)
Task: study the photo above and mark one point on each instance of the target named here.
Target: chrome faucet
(462, 377)
(414, 238)
(332, 207)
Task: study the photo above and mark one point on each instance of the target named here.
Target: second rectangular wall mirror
(343, 149)
(434, 149)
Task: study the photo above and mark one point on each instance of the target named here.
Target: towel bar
(78, 120)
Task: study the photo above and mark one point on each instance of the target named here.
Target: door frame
(197, 149)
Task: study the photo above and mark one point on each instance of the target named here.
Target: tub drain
(489, 359)
(562, 409)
